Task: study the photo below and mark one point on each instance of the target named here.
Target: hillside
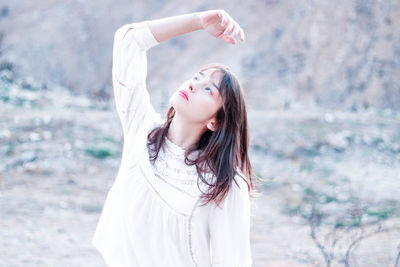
(337, 54)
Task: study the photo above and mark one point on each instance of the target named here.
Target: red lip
(184, 94)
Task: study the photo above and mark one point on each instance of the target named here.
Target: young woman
(181, 196)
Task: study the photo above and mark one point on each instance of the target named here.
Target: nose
(192, 87)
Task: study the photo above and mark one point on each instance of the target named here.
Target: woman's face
(203, 98)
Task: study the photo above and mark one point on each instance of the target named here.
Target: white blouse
(151, 216)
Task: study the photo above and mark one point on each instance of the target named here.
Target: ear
(212, 125)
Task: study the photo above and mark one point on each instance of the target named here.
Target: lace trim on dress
(163, 200)
(190, 233)
(177, 188)
(171, 163)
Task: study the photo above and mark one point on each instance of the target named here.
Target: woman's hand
(218, 23)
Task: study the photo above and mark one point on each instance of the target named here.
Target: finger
(233, 30)
(231, 40)
(228, 39)
(229, 28)
(241, 34)
(236, 30)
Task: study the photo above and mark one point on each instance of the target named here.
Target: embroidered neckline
(174, 148)
(171, 165)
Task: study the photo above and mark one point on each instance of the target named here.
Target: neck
(184, 133)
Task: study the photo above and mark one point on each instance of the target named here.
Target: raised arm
(129, 71)
(218, 23)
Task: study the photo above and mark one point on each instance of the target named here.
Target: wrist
(198, 20)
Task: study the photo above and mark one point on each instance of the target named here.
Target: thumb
(228, 39)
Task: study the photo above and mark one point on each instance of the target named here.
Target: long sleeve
(229, 227)
(129, 71)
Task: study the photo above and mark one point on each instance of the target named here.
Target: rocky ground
(60, 154)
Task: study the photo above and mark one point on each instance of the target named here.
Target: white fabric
(151, 217)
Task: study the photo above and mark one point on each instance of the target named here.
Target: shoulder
(238, 191)
(240, 182)
(122, 30)
(237, 199)
(138, 33)
(157, 122)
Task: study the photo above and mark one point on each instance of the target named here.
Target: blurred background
(322, 87)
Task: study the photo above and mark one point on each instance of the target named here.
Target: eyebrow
(211, 82)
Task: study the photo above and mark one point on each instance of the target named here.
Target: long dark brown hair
(221, 151)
